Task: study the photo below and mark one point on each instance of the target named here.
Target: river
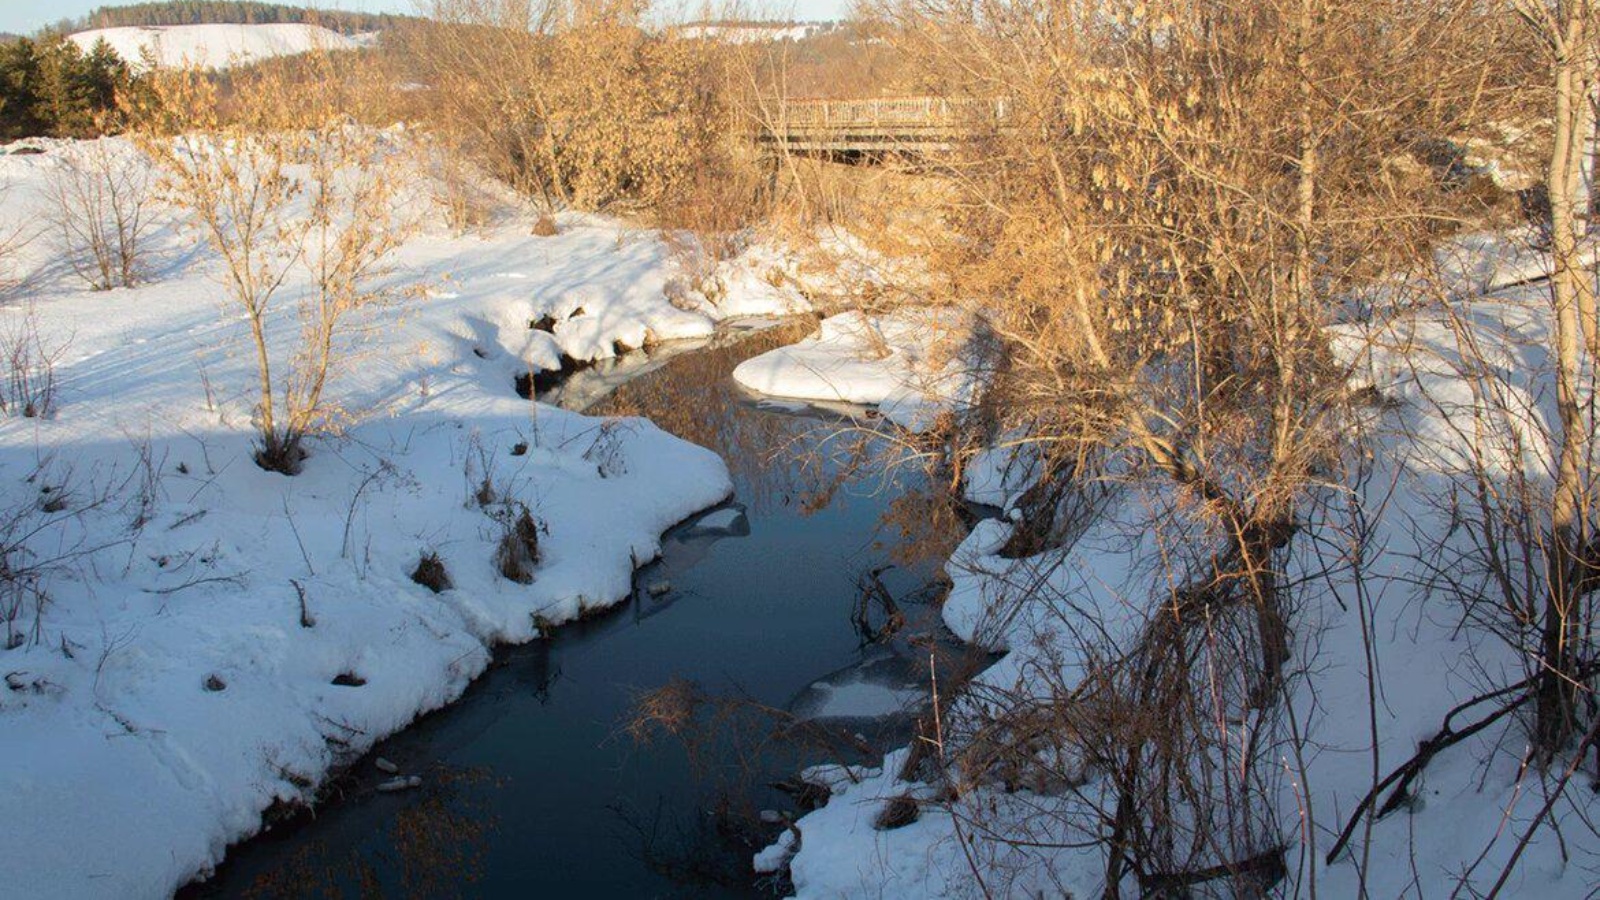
(531, 783)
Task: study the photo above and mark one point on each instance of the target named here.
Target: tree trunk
(1572, 293)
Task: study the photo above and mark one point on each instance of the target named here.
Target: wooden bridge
(915, 125)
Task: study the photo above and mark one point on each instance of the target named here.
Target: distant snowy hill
(755, 32)
(216, 46)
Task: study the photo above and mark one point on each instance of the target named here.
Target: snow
(1050, 613)
(1475, 265)
(761, 281)
(775, 857)
(754, 32)
(215, 46)
(896, 362)
(171, 692)
(842, 854)
(720, 520)
(776, 273)
(861, 699)
(728, 521)
(998, 475)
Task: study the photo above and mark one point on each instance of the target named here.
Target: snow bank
(763, 281)
(1048, 613)
(216, 636)
(775, 274)
(997, 476)
(902, 363)
(213, 46)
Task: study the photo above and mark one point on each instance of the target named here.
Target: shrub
(280, 179)
(99, 202)
(897, 813)
(30, 378)
(576, 105)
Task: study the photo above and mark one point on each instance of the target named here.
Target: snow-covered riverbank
(201, 639)
(1380, 654)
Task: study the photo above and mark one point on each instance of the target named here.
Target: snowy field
(201, 638)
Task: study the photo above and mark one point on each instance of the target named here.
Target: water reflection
(782, 452)
(434, 846)
(604, 376)
(694, 397)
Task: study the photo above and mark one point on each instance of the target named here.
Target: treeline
(233, 12)
(48, 87)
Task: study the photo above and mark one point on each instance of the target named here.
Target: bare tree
(99, 208)
(29, 361)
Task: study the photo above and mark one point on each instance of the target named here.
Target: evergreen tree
(48, 87)
(19, 91)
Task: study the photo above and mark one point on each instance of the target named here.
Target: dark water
(531, 784)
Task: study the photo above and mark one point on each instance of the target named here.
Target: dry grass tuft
(431, 573)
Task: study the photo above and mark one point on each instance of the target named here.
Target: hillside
(746, 32)
(215, 45)
(234, 12)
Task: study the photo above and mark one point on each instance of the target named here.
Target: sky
(27, 16)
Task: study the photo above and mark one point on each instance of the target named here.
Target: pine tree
(50, 87)
(19, 91)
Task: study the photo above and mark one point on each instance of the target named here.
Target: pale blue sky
(27, 16)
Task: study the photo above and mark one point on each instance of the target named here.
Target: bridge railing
(888, 116)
